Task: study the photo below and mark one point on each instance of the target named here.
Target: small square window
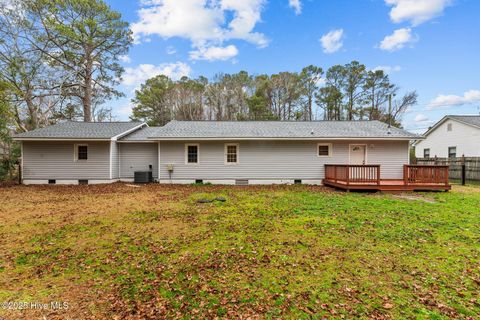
(426, 153)
(191, 154)
(324, 150)
(82, 152)
(452, 152)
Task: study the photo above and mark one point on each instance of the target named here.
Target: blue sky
(431, 46)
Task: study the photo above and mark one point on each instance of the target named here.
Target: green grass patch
(276, 252)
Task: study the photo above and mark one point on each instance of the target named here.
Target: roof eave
(280, 138)
(58, 139)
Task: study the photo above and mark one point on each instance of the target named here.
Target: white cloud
(125, 59)
(398, 40)
(332, 41)
(296, 5)
(469, 97)
(214, 53)
(206, 23)
(388, 69)
(416, 11)
(419, 118)
(133, 77)
(125, 111)
(171, 50)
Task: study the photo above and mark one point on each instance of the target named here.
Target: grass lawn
(297, 252)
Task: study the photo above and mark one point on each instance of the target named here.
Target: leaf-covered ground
(296, 252)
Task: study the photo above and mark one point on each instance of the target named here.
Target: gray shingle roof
(141, 135)
(472, 120)
(80, 130)
(279, 129)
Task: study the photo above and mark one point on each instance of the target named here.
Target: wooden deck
(367, 177)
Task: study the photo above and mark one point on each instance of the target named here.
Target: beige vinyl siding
(55, 160)
(137, 157)
(276, 159)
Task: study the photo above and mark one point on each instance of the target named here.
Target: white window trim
(225, 154)
(75, 152)
(425, 149)
(186, 154)
(330, 151)
(448, 151)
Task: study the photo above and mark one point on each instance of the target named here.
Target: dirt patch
(412, 197)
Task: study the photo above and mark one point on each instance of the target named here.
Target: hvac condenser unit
(143, 177)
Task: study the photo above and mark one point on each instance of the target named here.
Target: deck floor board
(386, 185)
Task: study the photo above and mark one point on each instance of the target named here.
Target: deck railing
(350, 173)
(370, 174)
(425, 174)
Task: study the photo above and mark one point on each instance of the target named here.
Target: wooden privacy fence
(472, 166)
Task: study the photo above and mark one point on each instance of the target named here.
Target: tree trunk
(87, 93)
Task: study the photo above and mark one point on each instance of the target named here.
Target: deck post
(405, 174)
(347, 174)
(378, 175)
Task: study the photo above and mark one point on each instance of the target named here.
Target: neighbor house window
(452, 152)
(426, 153)
(231, 153)
(324, 150)
(191, 153)
(449, 127)
(81, 152)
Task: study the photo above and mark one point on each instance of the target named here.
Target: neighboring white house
(452, 136)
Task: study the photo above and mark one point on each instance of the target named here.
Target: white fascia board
(290, 139)
(137, 141)
(59, 139)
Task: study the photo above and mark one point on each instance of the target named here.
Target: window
(452, 152)
(81, 152)
(426, 153)
(191, 153)
(231, 153)
(324, 150)
(449, 127)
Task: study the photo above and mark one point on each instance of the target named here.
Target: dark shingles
(141, 135)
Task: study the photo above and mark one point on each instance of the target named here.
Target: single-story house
(223, 152)
(451, 137)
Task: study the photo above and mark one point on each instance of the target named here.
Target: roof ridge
(463, 115)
